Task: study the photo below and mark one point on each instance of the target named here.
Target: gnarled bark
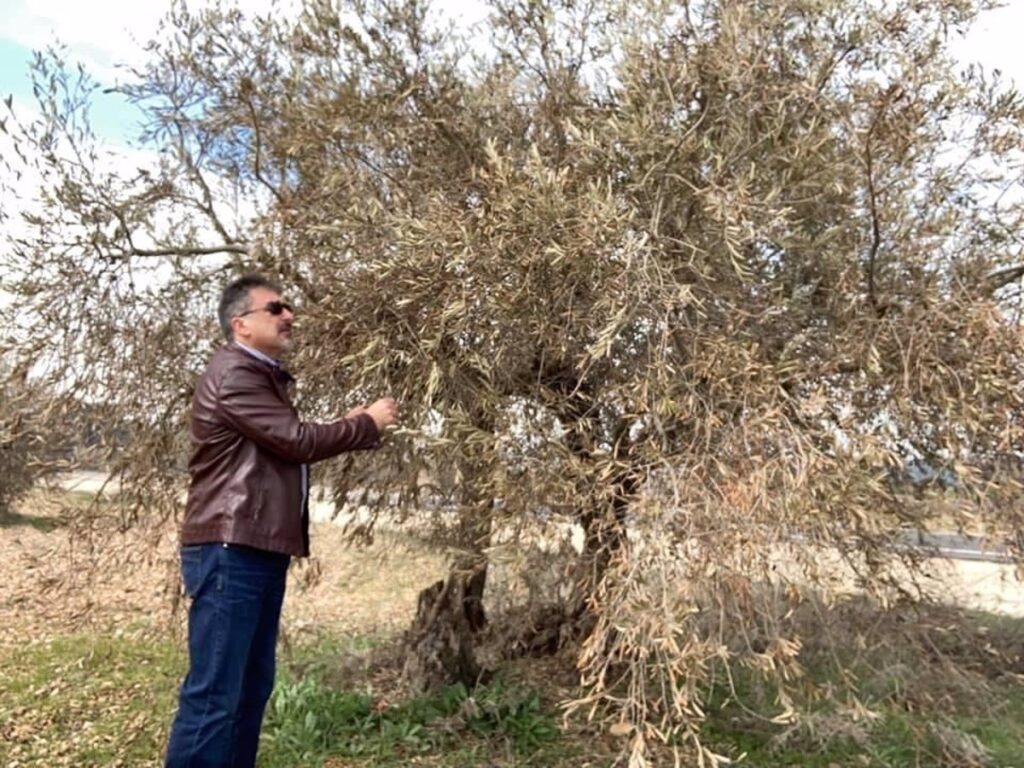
(441, 644)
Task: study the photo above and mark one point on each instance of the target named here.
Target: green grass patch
(102, 700)
(58, 509)
(44, 523)
(309, 721)
(985, 731)
(1001, 730)
(87, 700)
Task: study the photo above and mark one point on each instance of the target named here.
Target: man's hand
(355, 412)
(384, 412)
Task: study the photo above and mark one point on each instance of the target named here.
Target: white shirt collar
(257, 354)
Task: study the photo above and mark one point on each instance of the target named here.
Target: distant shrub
(18, 439)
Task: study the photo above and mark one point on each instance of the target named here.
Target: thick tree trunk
(441, 644)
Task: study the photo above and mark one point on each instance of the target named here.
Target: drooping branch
(876, 235)
(1000, 278)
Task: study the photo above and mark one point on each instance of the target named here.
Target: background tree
(703, 279)
(16, 443)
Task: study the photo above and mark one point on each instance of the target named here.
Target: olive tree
(701, 279)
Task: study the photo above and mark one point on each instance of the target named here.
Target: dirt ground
(60, 579)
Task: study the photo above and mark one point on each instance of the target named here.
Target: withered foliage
(714, 281)
(35, 441)
(17, 436)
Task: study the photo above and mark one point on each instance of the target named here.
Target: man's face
(260, 329)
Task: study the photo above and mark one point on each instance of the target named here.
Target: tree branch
(258, 151)
(185, 251)
(999, 278)
(206, 205)
(876, 235)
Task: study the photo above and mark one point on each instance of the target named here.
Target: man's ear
(237, 324)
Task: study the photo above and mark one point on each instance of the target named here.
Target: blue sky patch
(114, 120)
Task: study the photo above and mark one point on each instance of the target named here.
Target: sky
(99, 40)
(104, 40)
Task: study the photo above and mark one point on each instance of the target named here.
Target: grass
(310, 723)
(984, 729)
(59, 504)
(897, 739)
(92, 701)
(108, 700)
(87, 700)
(44, 523)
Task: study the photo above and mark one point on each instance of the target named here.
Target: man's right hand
(384, 412)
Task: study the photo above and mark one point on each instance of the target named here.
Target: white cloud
(105, 35)
(102, 36)
(100, 39)
(994, 41)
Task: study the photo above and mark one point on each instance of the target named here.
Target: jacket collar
(279, 370)
(257, 354)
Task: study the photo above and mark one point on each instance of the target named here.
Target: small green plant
(307, 720)
(514, 713)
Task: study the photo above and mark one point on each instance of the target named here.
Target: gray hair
(234, 299)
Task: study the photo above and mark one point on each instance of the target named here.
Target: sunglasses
(273, 307)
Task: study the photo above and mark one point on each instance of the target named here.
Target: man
(246, 516)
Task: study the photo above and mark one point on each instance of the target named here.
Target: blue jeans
(232, 633)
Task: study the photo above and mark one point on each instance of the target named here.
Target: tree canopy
(702, 278)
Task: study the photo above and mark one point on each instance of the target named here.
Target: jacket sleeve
(250, 405)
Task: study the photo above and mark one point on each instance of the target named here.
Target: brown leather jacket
(249, 448)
